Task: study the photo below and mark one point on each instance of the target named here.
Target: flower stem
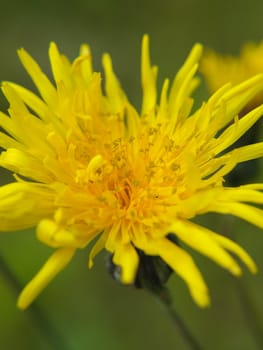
(184, 330)
(249, 309)
(250, 312)
(35, 313)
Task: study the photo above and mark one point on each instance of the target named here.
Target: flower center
(124, 195)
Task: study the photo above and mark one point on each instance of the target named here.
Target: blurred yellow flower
(221, 69)
(89, 165)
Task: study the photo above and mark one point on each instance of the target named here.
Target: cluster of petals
(92, 169)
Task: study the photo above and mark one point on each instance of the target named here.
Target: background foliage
(89, 310)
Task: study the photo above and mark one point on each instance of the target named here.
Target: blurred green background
(87, 308)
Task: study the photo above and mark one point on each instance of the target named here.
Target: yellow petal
(50, 269)
(163, 108)
(86, 62)
(244, 211)
(253, 186)
(189, 64)
(60, 67)
(200, 239)
(8, 142)
(54, 235)
(148, 74)
(32, 100)
(37, 105)
(22, 122)
(97, 247)
(114, 91)
(207, 112)
(182, 263)
(133, 123)
(81, 68)
(242, 194)
(41, 81)
(236, 249)
(229, 162)
(14, 99)
(199, 202)
(126, 257)
(113, 237)
(10, 127)
(25, 164)
(178, 101)
(236, 98)
(236, 130)
(249, 152)
(22, 205)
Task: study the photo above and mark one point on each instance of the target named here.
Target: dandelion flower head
(91, 169)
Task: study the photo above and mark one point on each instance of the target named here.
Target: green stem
(249, 309)
(250, 312)
(37, 315)
(184, 330)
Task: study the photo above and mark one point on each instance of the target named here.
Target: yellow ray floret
(89, 166)
(50, 269)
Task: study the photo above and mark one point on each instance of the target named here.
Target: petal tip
(235, 270)
(204, 300)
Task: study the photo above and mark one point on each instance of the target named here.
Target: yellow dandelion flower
(221, 69)
(89, 166)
